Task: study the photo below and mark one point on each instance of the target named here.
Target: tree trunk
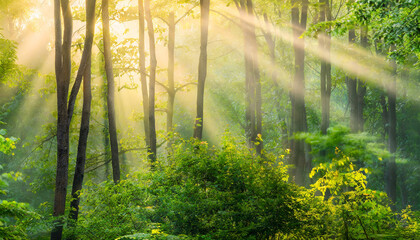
(391, 168)
(152, 80)
(143, 80)
(361, 84)
(84, 127)
(298, 90)
(63, 72)
(253, 115)
(202, 68)
(249, 93)
(81, 150)
(171, 74)
(257, 135)
(111, 92)
(352, 92)
(325, 46)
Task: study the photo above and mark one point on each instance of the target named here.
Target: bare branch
(185, 14)
(184, 85)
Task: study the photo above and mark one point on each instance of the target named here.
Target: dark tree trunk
(143, 80)
(84, 127)
(391, 168)
(63, 72)
(361, 84)
(253, 115)
(111, 92)
(257, 135)
(81, 150)
(171, 74)
(325, 46)
(298, 90)
(202, 68)
(152, 80)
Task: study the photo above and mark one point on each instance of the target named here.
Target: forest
(209, 119)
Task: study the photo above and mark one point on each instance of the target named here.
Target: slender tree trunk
(63, 72)
(111, 92)
(171, 74)
(81, 150)
(325, 46)
(253, 115)
(202, 68)
(298, 90)
(391, 168)
(152, 80)
(361, 85)
(352, 92)
(143, 80)
(249, 93)
(84, 127)
(257, 135)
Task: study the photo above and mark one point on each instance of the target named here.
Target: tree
(171, 22)
(253, 116)
(152, 80)
(325, 45)
(142, 67)
(62, 72)
(202, 68)
(298, 89)
(391, 167)
(84, 126)
(111, 90)
(352, 91)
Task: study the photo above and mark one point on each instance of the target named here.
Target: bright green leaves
(7, 58)
(338, 175)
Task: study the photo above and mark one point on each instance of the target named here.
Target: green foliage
(361, 148)
(353, 211)
(225, 193)
(395, 23)
(14, 216)
(7, 58)
(108, 211)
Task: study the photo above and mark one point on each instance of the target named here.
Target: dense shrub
(226, 193)
(108, 211)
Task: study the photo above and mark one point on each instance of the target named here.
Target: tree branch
(184, 85)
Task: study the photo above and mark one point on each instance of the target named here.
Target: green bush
(226, 193)
(352, 211)
(108, 211)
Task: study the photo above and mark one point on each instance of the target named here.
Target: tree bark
(171, 74)
(253, 114)
(202, 68)
(298, 90)
(352, 92)
(325, 46)
(249, 94)
(152, 82)
(143, 80)
(391, 167)
(84, 127)
(256, 80)
(111, 92)
(81, 150)
(361, 84)
(63, 72)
